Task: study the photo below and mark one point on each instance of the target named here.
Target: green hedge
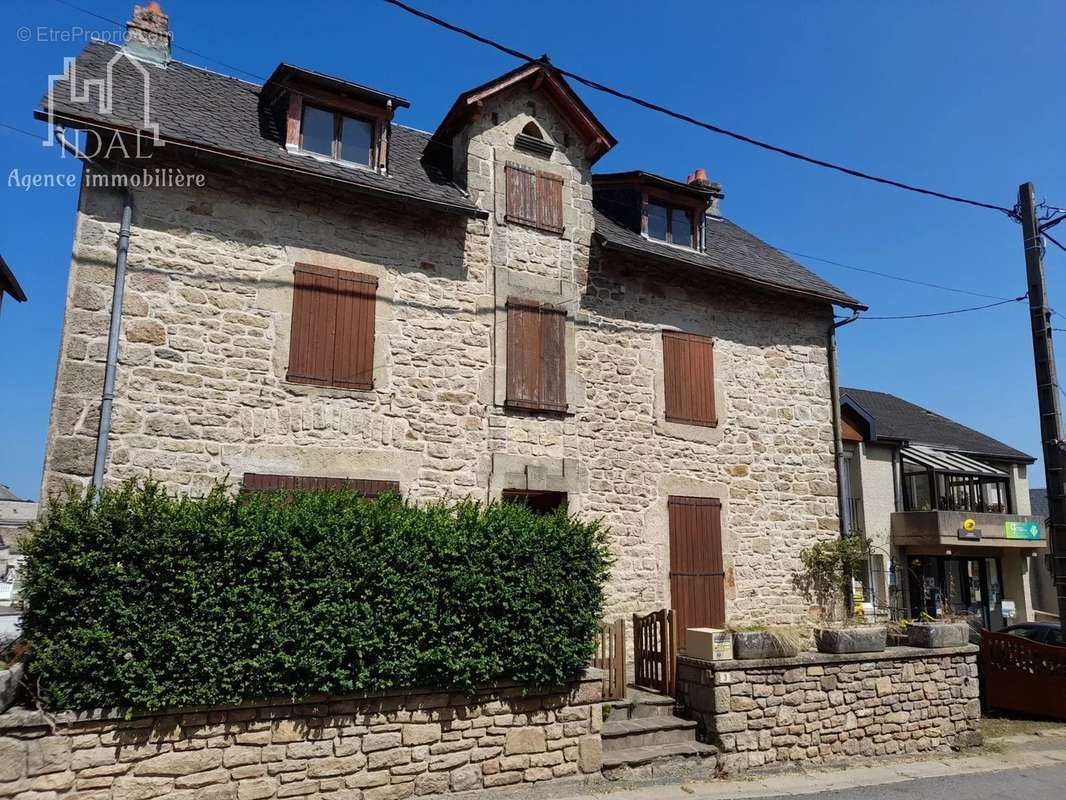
(149, 600)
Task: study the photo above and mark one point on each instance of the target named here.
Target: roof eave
(1019, 458)
(360, 188)
(732, 276)
(10, 284)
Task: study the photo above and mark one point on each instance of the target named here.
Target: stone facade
(818, 707)
(202, 395)
(377, 747)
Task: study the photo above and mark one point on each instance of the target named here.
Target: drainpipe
(838, 445)
(121, 252)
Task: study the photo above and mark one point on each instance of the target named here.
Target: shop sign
(969, 532)
(1023, 530)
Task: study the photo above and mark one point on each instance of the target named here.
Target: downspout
(107, 398)
(838, 444)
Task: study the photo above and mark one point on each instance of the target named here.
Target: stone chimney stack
(699, 178)
(148, 34)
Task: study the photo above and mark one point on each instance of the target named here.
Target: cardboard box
(710, 644)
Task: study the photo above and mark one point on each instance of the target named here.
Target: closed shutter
(259, 482)
(332, 335)
(353, 358)
(697, 573)
(549, 202)
(521, 195)
(536, 356)
(688, 378)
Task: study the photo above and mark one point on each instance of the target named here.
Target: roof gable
(541, 77)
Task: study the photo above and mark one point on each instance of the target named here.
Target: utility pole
(1047, 390)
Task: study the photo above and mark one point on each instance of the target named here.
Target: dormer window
(338, 136)
(670, 224)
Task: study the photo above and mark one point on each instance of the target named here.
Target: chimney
(148, 34)
(699, 178)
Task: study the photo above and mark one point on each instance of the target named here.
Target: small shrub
(828, 569)
(149, 600)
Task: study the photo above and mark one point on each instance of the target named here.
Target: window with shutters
(332, 336)
(534, 198)
(536, 356)
(259, 482)
(688, 378)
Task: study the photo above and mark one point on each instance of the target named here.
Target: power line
(946, 313)
(893, 277)
(20, 130)
(188, 50)
(599, 87)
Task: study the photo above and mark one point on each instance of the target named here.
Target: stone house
(946, 509)
(470, 313)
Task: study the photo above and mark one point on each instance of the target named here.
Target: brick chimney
(148, 34)
(699, 178)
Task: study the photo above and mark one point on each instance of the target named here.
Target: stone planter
(9, 684)
(857, 639)
(938, 634)
(761, 644)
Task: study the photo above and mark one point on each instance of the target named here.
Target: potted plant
(758, 642)
(947, 630)
(828, 571)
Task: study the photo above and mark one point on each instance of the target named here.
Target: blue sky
(957, 96)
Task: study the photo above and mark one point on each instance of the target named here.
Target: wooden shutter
(521, 195)
(353, 358)
(697, 573)
(314, 320)
(332, 336)
(259, 482)
(688, 378)
(549, 202)
(536, 356)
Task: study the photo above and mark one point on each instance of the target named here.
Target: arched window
(533, 140)
(533, 129)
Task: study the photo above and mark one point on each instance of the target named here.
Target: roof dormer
(659, 208)
(332, 119)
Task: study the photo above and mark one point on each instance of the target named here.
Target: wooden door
(697, 575)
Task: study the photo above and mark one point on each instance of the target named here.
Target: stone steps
(660, 756)
(640, 704)
(624, 734)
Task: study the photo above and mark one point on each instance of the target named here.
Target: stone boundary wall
(381, 746)
(819, 707)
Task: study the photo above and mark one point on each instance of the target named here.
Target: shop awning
(946, 461)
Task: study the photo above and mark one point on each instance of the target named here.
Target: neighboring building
(1041, 582)
(8, 284)
(946, 508)
(15, 515)
(471, 313)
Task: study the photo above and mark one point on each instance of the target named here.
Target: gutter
(107, 398)
(834, 391)
(374, 191)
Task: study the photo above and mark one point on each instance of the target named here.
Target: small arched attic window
(532, 140)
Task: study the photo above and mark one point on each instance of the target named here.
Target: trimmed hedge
(150, 600)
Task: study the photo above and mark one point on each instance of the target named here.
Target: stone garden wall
(817, 707)
(373, 747)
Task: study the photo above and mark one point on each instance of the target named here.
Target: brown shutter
(353, 360)
(536, 356)
(259, 482)
(521, 195)
(314, 320)
(688, 378)
(697, 573)
(550, 202)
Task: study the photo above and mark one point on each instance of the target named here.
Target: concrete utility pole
(1047, 389)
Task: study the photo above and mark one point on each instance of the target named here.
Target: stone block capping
(382, 746)
(818, 707)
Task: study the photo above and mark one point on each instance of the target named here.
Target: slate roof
(1038, 505)
(7, 494)
(9, 284)
(896, 419)
(200, 107)
(731, 252)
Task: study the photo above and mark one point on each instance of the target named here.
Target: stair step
(632, 757)
(645, 731)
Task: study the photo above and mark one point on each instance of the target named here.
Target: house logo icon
(96, 98)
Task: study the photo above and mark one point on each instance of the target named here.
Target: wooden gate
(1023, 675)
(611, 658)
(654, 651)
(697, 574)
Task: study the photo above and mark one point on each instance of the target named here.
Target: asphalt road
(1032, 783)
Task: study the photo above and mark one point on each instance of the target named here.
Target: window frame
(670, 208)
(537, 221)
(672, 415)
(539, 404)
(336, 150)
